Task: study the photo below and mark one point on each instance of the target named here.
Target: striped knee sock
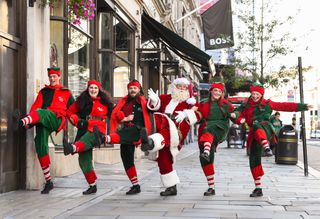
(210, 180)
(207, 147)
(265, 144)
(46, 173)
(257, 182)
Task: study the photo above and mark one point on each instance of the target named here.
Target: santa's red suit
(169, 135)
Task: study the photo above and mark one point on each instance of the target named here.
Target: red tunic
(97, 116)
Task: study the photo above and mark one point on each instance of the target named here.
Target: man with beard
(127, 119)
(175, 114)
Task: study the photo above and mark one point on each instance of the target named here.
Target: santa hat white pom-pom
(191, 101)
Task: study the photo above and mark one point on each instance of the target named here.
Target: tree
(261, 39)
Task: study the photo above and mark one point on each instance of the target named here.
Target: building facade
(114, 48)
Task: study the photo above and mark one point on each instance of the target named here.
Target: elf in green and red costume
(129, 116)
(89, 112)
(256, 113)
(216, 112)
(48, 114)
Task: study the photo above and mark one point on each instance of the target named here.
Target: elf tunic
(128, 133)
(213, 129)
(257, 116)
(48, 113)
(170, 135)
(94, 114)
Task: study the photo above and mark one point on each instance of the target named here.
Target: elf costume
(212, 131)
(92, 115)
(127, 133)
(48, 114)
(256, 115)
(170, 133)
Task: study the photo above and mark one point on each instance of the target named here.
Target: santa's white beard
(179, 95)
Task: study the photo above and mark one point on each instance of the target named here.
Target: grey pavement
(287, 192)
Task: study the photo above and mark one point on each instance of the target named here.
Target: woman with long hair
(89, 112)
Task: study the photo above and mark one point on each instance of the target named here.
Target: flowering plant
(80, 9)
(77, 9)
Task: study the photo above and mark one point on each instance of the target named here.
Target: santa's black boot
(135, 189)
(257, 192)
(169, 191)
(146, 142)
(47, 187)
(101, 139)
(209, 192)
(90, 190)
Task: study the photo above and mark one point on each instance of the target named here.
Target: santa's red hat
(90, 82)
(257, 87)
(54, 70)
(218, 85)
(134, 83)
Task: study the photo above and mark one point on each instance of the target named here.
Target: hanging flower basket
(80, 10)
(77, 9)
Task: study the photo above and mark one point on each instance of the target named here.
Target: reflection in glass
(120, 77)
(78, 67)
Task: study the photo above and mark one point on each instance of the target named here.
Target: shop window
(115, 53)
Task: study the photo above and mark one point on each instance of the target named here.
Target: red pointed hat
(54, 70)
(90, 82)
(218, 85)
(257, 87)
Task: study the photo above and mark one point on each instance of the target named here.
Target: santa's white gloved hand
(153, 96)
(180, 117)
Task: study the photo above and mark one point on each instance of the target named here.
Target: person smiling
(216, 112)
(48, 114)
(256, 113)
(90, 111)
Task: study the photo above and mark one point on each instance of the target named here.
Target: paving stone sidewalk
(287, 192)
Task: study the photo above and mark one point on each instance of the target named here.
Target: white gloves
(180, 117)
(153, 96)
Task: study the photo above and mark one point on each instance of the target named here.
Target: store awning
(155, 30)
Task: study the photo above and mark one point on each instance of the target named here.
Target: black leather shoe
(47, 187)
(67, 147)
(205, 156)
(146, 143)
(209, 192)
(169, 191)
(90, 190)
(257, 192)
(101, 139)
(268, 152)
(135, 189)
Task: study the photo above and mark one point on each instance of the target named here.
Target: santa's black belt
(95, 118)
(172, 116)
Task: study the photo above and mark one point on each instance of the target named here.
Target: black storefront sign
(151, 58)
(170, 67)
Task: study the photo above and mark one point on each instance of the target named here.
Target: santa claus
(174, 114)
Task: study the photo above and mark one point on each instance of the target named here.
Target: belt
(172, 116)
(95, 118)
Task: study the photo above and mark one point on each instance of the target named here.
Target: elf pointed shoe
(135, 189)
(209, 192)
(146, 142)
(205, 157)
(268, 152)
(47, 187)
(90, 190)
(100, 138)
(257, 192)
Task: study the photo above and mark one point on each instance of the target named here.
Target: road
(313, 152)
